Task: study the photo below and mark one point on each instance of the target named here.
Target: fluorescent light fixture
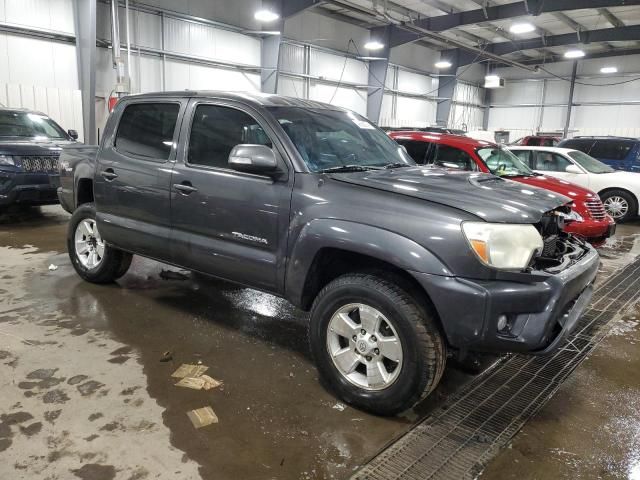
(492, 81)
(518, 28)
(608, 69)
(371, 59)
(266, 16)
(374, 45)
(442, 64)
(574, 54)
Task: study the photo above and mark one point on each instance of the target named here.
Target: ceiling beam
(293, 7)
(611, 18)
(502, 12)
(618, 52)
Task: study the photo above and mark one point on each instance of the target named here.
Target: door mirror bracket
(573, 169)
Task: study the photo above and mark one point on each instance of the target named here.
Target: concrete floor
(85, 395)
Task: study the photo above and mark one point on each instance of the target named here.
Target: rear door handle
(185, 188)
(109, 174)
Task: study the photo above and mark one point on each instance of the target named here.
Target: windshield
(589, 163)
(30, 125)
(503, 163)
(330, 139)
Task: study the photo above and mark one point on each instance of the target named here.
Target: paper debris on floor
(53, 267)
(188, 370)
(166, 356)
(202, 417)
(199, 383)
(339, 406)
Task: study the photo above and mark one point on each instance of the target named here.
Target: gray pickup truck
(400, 266)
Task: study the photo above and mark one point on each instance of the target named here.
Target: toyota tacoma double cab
(400, 266)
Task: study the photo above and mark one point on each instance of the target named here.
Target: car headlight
(572, 216)
(504, 246)
(7, 160)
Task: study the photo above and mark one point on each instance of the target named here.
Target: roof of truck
(254, 98)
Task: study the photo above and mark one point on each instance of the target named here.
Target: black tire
(114, 262)
(632, 207)
(423, 348)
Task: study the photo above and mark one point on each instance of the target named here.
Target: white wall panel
(182, 75)
(333, 67)
(345, 97)
(311, 27)
(386, 111)
(520, 118)
(47, 14)
(517, 92)
(557, 92)
(414, 112)
(466, 117)
(622, 120)
(415, 56)
(291, 87)
(409, 82)
(291, 58)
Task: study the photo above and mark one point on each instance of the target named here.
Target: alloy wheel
(89, 243)
(616, 206)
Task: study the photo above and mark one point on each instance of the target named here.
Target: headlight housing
(503, 246)
(572, 216)
(7, 160)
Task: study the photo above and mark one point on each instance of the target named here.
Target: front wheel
(620, 205)
(374, 344)
(91, 257)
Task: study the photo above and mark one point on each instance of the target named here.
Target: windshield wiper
(397, 165)
(346, 168)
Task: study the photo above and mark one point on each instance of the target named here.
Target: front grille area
(39, 163)
(596, 209)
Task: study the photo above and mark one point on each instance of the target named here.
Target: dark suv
(621, 153)
(399, 265)
(30, 144)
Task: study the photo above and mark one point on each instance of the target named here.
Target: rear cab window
(147, 130)
(582, 144)
(612, 149)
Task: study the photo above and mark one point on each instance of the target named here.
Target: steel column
(85, 23)
(570, 103)
(377, 76)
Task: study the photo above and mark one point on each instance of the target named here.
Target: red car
(587, 219)
(538, 141)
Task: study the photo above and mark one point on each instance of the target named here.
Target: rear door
(615, 152)
(555, 165)
(133, 176)
(224, 222)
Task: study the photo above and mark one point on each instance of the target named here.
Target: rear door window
(525, 156)
(416, 150)
(611, 149)
(147, 129)
(550, 162)
(451, 157)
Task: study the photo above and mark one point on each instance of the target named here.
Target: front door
(555, 165)
(133, 176)
(224, 222)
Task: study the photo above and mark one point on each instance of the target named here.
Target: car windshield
(330, 139)
(503, 163)
(589, 163)
(30, 125)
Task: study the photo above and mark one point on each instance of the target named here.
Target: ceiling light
(442, 64)
(266, 16)
(574, 54)
(493, 81)
(608, 69)
(521, 28)
(373, 45)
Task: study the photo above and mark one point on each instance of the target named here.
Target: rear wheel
(92, 258)
(620, 205)
(374, 344)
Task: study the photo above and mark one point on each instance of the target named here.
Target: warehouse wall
(533, 102)
(37, 73)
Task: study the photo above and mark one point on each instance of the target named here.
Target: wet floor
(86, 395)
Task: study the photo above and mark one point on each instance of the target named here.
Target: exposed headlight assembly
(7, 160)
(572, 216)
(503, 246)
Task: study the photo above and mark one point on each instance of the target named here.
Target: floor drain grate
(464, 435)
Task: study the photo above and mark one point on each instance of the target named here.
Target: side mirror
(573, 169)
(73, 134)
(249, 158)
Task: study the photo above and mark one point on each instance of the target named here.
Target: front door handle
(109, 174)
(185, 188)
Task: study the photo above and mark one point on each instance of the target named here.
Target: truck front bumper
(28, 188)
(513, 316)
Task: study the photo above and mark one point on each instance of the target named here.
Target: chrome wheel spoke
(81, 247)
(369, 318)
(390, 348)
(377, 374)
(89, 247)
(100, 249)
(347, 360)
(343, 325)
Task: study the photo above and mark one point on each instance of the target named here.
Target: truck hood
(29, 146)
(571, 190)
(486, 196)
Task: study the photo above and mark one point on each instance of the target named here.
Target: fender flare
(358, 238)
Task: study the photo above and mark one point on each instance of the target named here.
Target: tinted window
(216, 130)
(146, 130)
(451, 157)
(550, 162)
(611, 149)
(28, 124)
(416, 150)
(501, 161)
(589, 163)
(523, 155)
(582, 144)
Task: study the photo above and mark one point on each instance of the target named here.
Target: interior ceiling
(376, 13)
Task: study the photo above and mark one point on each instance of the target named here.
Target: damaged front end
(560, 250)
